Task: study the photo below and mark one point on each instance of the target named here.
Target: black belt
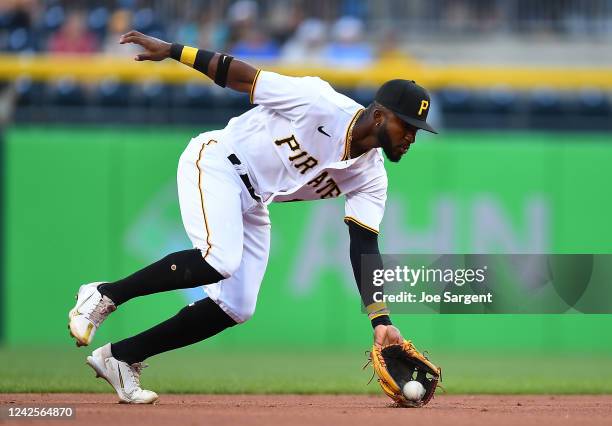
(244, 177)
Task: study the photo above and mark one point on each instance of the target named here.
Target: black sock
(192, 324)
(183, 269)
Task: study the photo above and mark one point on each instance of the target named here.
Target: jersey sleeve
(366, 206)
(289, 96)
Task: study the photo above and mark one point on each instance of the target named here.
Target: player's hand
(155, 49)
(387, 335)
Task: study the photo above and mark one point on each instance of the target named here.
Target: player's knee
(245, 314)
(233, 263)
(225, 262)
(229, 266)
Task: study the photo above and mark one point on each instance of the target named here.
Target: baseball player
(303, 141)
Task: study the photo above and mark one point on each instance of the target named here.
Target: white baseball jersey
(294, 145)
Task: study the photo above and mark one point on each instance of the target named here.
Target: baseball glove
(397, 364)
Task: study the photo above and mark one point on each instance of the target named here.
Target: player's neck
(363, 136)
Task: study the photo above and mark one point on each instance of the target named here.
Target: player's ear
(379, 117)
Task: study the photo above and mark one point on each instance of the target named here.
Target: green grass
(241, 371)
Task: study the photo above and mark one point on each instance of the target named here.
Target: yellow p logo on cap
(424, 106)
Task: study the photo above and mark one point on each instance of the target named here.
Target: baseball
(413, 390)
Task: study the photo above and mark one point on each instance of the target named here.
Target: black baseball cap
(406, 99)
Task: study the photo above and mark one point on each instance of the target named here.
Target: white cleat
(88, 314)
(125, 378)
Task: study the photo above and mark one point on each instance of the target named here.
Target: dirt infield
(336, 410)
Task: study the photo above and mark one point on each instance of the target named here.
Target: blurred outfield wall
(85, 204)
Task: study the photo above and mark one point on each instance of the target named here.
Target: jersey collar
(348, 137)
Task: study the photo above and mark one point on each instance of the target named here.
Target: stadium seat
(501, 100)
(97, 20)
(193, 95)
(456, 100)
(28, 92)
(112, 93)
(66, 92)
(53, 19)
(545, 101)
(21, 40)
(593, 102)
(153, 94)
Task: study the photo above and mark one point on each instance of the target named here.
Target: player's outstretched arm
(365, 241)
(223, 69)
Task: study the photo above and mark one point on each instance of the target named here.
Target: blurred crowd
(332, 31)
(57, 27)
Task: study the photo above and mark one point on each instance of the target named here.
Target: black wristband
(175, 51)
(202, 60)
(222, 69)
(381, 320)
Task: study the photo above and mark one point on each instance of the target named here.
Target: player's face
(395, 138)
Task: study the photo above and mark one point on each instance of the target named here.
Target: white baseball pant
(223, 221)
